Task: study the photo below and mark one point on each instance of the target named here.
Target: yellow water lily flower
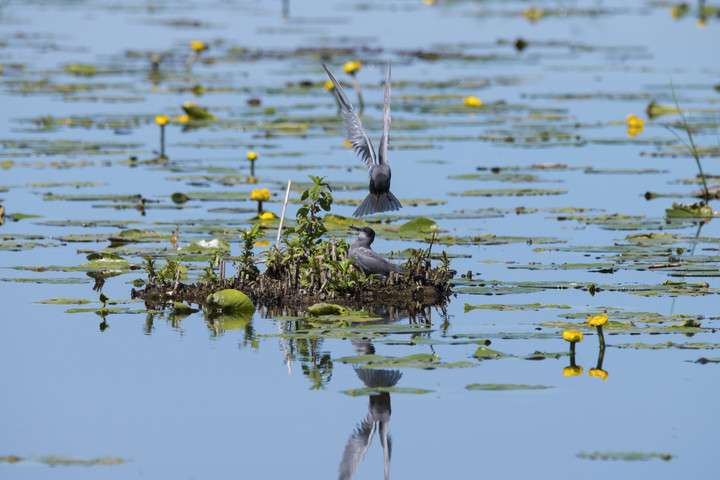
(635, 125)
(198, 45)
(252, 156)
(162, 120)
(633, 121)
(260, 195)
(534, 14)
(598, 320)
(328, 85)
(472, 101)
(266, 216)
(572, 371)
(572, 336)
(598, 373)
(352, 67)
(263, 243)
(181, 119)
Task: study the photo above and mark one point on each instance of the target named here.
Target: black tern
(380, 198)
(364, 256)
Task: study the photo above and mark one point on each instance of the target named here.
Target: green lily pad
(487, 353)
(372, 391)
(231, 301)
(508, 307)
(627, 456)
(420, 360)
(206, 246)
(419, 224)
(327, 309)
(496, 387)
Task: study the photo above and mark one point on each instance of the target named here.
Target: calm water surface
(180, 400)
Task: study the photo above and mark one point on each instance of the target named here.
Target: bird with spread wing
(380, 198)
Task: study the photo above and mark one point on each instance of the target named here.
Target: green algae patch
(502, 387)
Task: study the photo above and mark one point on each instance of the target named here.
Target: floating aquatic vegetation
(307, 269)
(627, 456)
(509, 307)
(370, 391)
(498, 387)
(513, 192)
(419, 360)
(52, 460)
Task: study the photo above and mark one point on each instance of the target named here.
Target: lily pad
(497, 387)
(371, 391)
(231, 301)
(627, 456)
(420, 360)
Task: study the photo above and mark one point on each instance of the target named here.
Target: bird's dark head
(367, 232)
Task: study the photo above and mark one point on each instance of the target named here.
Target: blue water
(182, 402)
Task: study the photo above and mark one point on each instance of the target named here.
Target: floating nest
(410, 292)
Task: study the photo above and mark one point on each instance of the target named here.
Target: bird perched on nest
(380, 198)
(365, 258)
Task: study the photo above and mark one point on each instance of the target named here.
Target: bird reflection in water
(377, 418)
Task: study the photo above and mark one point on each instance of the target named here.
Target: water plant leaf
(627, 456)
(66, 301)
(107, 261)
(418, 224)
(319, 309)
(486, 353)
(507, 307)
(206, 246)
(372, 391)
(53, 460)
(497, 387)
(420, 360)
(231, 301)
(662, 346)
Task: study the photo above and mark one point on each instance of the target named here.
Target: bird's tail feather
(386, 202)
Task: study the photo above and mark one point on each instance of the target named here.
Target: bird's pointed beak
(355, 228)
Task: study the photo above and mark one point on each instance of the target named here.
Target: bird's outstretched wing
(382, 152)
(355, 130)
